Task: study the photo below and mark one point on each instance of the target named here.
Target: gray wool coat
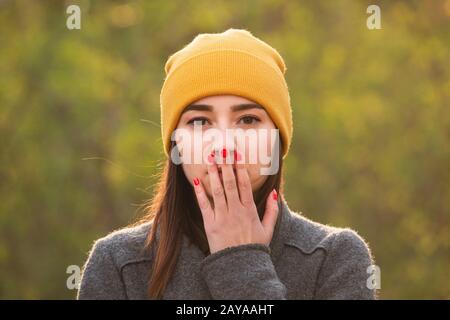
(305, 260)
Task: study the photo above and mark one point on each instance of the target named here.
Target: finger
(216, 186)
(271, 213)
(203, 202)
(244, 186)
(229, 180)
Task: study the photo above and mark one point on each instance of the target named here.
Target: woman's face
(215, 121)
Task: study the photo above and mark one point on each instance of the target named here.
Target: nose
(224, 148)
(224, 145)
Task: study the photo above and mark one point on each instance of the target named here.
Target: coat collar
(281, 231)
(280, 235)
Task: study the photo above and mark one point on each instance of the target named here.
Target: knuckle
(229, 184)
(246, 202)
(243, 185)
(203, 205)
(218, 192)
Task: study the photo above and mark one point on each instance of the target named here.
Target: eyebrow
(234, 108)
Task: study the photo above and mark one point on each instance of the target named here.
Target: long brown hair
(172, 211)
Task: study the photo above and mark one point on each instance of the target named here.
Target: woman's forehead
(223, 103)
(226, 99)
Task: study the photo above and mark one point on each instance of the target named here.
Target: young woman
(218, 226)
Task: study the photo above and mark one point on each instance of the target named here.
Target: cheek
(192, 171)
(257, 148)
(256, 179)
(193, 166)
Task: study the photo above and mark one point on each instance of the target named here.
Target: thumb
(271, 213)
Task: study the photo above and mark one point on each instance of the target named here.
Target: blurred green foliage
(80, 139)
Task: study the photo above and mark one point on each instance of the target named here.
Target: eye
(199, 120)
(249, 120)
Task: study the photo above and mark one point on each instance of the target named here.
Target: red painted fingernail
(224, 152)
(196, 181)
(275, 194)
(237, 156)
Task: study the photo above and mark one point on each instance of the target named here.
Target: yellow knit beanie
(233, 62)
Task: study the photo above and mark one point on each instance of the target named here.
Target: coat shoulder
(127, 244)
(309, 236)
